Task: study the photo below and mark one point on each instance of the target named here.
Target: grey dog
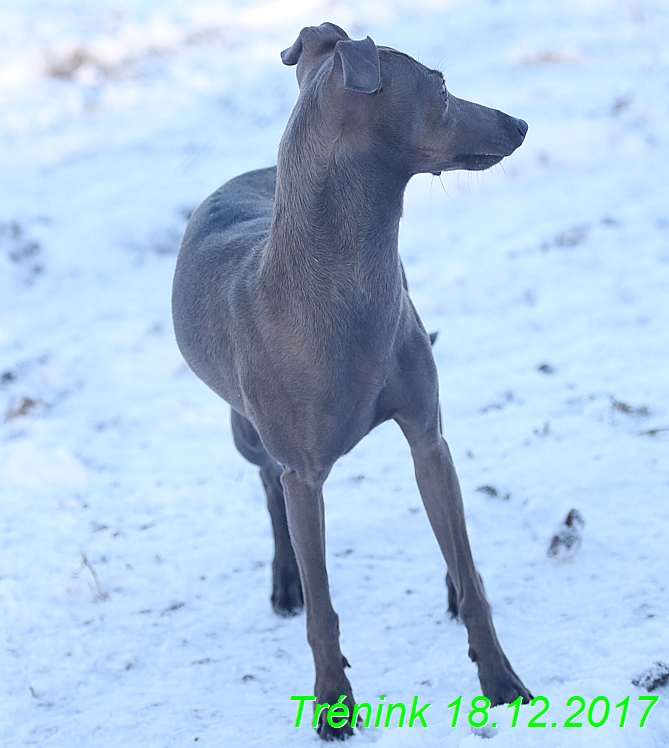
(290, 302)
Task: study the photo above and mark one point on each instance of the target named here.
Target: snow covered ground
(135, 547)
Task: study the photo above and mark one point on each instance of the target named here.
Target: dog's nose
(522, 126)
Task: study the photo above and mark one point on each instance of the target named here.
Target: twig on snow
(86, 564)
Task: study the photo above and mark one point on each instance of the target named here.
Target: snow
(116, 120)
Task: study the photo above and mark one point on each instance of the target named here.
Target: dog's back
(224, 236)
(229, 224)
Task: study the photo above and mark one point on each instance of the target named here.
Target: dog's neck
(336, 213)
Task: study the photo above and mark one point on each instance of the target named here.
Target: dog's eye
(443, 92)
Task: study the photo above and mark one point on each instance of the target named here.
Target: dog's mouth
(477, 162)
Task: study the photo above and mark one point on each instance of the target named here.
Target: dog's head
(385, 101)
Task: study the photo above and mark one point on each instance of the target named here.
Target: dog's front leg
(440, 491)
(306, 523)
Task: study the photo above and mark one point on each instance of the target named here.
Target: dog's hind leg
(286, 588)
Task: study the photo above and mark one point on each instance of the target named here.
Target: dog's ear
(312, 43)
(359, 65)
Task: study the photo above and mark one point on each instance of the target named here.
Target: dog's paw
(503, 686)
(329, 733)
(287, 599)
(340, 730)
